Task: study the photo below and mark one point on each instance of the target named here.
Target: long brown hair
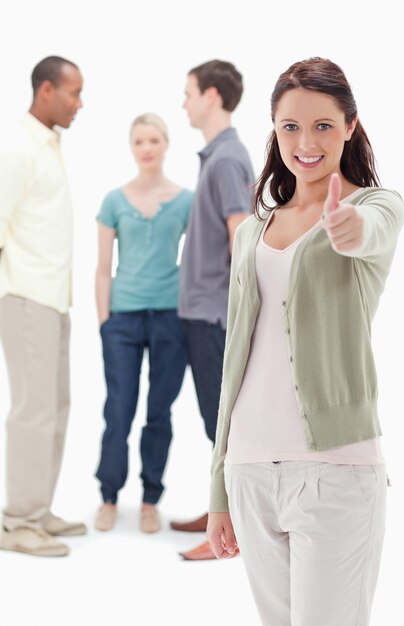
(357, 160)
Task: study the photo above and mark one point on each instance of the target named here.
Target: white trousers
(310, 535)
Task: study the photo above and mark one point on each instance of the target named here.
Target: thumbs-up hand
(342, 222)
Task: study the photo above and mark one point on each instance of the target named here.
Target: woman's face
(311, 132)
(148, 145)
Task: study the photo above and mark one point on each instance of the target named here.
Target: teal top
(332, 299)
(147, 276)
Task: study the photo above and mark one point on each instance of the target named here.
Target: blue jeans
(124, 339)
(205, 344)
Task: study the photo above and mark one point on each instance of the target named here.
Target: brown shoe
(58, 527)
(197, 525)
(106, 517)
(200, 553)
(149, 520)
(33, 541)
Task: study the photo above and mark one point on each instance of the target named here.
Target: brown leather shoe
(197, 525)
(200, 553)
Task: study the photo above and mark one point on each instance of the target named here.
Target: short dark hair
(50, 69)
(225, 77)
(357, 163)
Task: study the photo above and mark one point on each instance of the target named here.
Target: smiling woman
(319, 133)
(298, 440)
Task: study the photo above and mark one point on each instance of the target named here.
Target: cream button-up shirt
(35, 218)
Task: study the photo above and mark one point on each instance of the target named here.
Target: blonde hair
(153, 120)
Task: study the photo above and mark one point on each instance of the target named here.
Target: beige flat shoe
(57, 526)
(33, 541)
(106, 517)
(149, 520)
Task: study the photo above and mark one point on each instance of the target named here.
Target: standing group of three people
(280, 352)
(137, 308)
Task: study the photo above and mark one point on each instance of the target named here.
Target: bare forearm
(102, 295)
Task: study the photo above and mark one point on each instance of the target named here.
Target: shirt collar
(39, 131)
(225, 135)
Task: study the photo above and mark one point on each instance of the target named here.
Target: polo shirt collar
(225, 135)
(39, 131)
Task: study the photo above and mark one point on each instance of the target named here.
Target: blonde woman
(137, 311)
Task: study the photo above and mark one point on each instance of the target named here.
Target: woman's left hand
(342, 222)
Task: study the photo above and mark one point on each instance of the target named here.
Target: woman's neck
(148, 180)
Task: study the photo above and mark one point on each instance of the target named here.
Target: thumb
(334, 193)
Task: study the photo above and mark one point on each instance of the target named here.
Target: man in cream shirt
(35, 296)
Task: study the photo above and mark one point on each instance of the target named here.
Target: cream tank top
(265, 422)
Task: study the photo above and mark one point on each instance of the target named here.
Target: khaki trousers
(36, 347)
(310, 536)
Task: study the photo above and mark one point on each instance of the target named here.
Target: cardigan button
(288, 331)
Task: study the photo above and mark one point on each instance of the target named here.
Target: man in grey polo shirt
(222, 200)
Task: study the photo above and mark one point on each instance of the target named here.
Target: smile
(314, 159)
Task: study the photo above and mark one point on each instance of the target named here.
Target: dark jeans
(205, 344)
(124, 338)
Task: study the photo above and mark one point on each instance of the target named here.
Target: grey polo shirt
(223, 189)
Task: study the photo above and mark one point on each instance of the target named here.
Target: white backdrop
(134, 57)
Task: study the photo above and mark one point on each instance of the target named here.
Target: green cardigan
(332, 299)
